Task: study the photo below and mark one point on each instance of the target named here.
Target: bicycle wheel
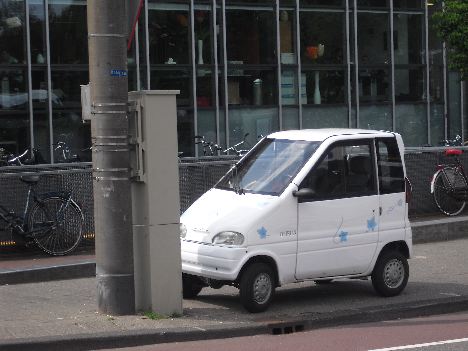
(450, 191)
(56, 225)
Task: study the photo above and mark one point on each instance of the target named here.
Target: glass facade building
(242, 66)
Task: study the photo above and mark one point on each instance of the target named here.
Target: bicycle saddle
(32, 179)
(453, 152)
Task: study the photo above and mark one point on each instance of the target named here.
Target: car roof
(322, 134)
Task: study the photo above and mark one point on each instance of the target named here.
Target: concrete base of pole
(112, 290)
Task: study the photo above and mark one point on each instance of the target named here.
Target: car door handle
(380, 210)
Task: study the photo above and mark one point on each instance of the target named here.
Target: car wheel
(191, 286)
(257, 287)
(390, 274)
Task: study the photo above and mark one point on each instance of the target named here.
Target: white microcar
(302, 205)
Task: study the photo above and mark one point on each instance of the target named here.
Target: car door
(338, 224)
(391, 188)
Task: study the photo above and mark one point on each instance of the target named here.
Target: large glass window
(374, 80)
(169, 31)
(372, 3)
(174, 79)
(68, 127)
(322, 3)
(68, 32)
(37, 32)
(14, 118)
(323, 78)
(436, 82)
(408, 4)
(12, 32)
(408, 37)
(250, 37)
(373, 39)
(40, 101)
(319, 44)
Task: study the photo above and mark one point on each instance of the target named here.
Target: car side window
(390, 167)
(346, 170)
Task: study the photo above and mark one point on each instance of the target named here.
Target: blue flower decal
(262, 232)
(343, 236)
(371, 224)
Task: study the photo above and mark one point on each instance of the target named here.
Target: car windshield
(270, 167)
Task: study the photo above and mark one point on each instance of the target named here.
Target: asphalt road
(437, 333)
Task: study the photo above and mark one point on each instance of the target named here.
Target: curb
(82, 342)
(48, 273)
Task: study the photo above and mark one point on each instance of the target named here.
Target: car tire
(390, 274)
(257, 287)
(191, 286)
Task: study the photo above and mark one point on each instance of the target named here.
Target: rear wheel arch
(400, 246)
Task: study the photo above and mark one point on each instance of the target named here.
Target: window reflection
(66, 91)
(74, 134)
(37, 33)
(373, 38)
(13, 93)
(408, 30)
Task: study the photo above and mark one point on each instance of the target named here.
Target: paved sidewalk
(62, 314)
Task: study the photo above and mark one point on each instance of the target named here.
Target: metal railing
(196, 175)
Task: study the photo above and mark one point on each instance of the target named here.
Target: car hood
(223, 210)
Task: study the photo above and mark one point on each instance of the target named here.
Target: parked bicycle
(237, 147)
(449, 185)
(210, 148)
(27, 157)
(53, 221)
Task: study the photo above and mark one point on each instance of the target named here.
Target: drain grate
(287, 329)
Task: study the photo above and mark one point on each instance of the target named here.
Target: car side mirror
(304, 193)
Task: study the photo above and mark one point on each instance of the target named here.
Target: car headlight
(183, 230)
(228, 238)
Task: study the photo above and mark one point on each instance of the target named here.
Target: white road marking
(406, 347)
(450, 294)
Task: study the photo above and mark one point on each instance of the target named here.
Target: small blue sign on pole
(118, 73)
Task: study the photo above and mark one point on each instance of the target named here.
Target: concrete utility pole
(107, 38)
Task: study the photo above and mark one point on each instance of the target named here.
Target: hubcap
(394, 273)
(262, 288)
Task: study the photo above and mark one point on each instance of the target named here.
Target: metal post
(107, 40)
